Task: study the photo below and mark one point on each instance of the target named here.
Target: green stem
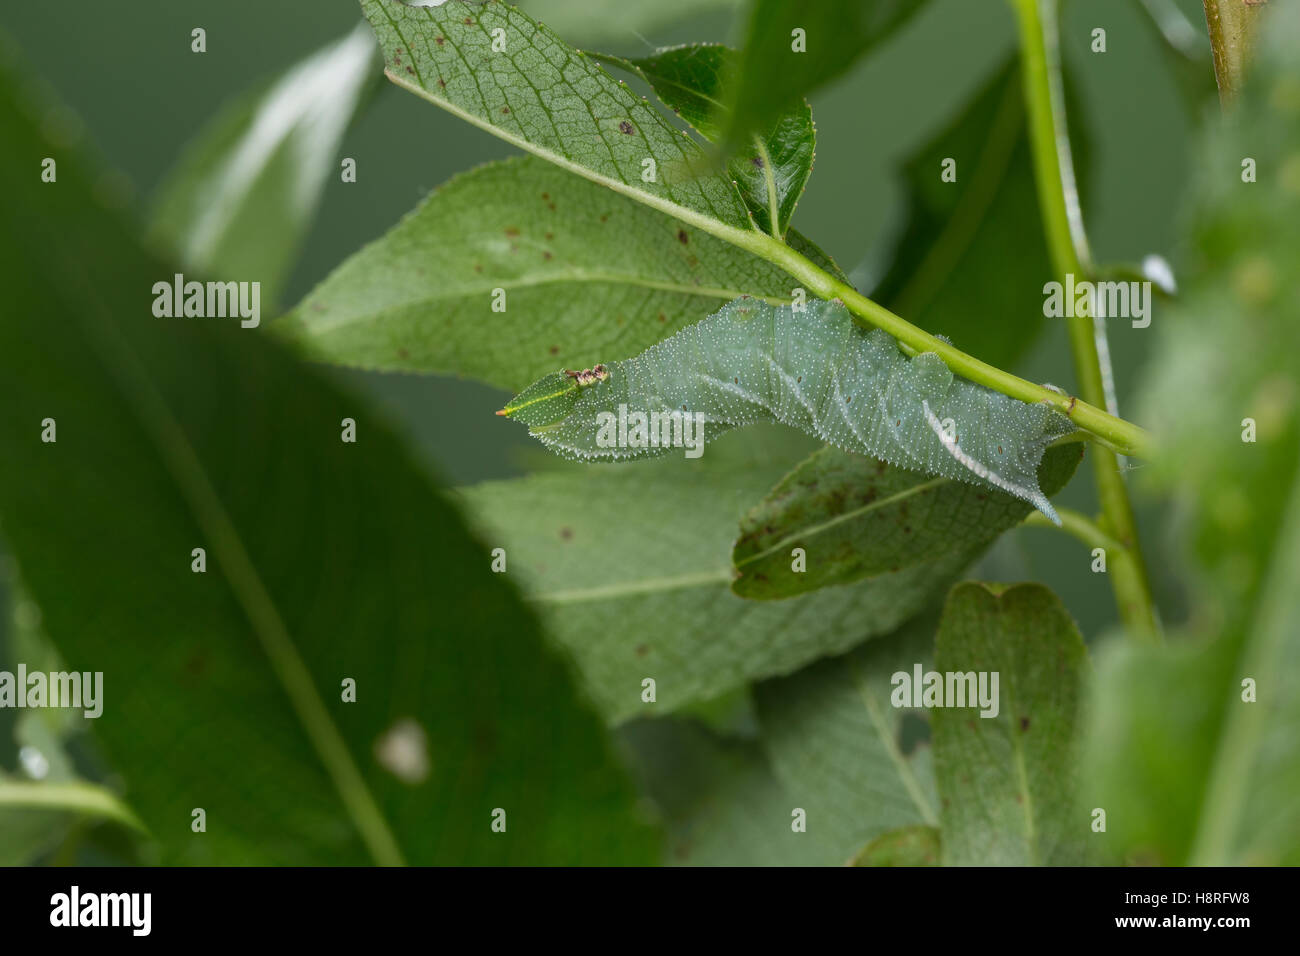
(1231, 24)
(1067, 243)
(1077, 525)
(86, 799)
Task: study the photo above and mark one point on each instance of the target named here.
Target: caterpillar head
(589, 376)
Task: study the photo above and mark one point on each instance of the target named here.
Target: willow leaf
(1006, 773)
(857, 764)
(584, 272)
(634, 584)
(773, 168)
(224, 687)
(495, 67)
(855, 517)
(817, 371)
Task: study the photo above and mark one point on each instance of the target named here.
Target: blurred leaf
(906, 846)
(772, 77)
(805, 369)
(855, 517)
(772, 169)
(720, 803)
(630, 569)
(326, 561)
(585, 273)
(590, 21)
(839, 746)
(1007, 781)
(971, 260)
(543, 96)
(1188, 770)
(242, 196)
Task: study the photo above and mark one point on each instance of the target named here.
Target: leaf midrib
(526, 282)
(904, 768)
(180, 459)
(621, 589)
(817, 529)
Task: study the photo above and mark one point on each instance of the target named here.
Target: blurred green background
(142, 94)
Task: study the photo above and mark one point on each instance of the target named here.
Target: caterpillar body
(818, 371)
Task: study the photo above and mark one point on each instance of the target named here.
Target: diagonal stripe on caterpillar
(818, 371)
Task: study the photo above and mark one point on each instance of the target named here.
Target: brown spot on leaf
(505, 109)
(682, 237)
(626, 128)
(512, 231)
(1024, 723)
(642, 650)
(566, 534)
(439, 40)
(554, 350)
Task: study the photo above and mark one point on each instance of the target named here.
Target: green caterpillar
(818, 371)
